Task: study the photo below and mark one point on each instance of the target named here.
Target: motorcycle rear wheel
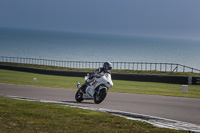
(79, 96)
(99, 97)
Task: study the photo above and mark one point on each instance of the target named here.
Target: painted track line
(156, 121)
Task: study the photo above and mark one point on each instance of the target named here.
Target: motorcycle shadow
(78, 102)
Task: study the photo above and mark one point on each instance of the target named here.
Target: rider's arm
(96, 73)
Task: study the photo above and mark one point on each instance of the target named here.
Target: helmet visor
(108, 68)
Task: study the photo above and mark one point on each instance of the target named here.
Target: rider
(107, 67)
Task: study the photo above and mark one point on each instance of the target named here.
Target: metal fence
(139, 66)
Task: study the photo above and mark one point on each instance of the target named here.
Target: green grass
(24, 78)
(90, 70)
(31, 117)
(153, 88)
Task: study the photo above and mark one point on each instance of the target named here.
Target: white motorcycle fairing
(104, 81)
(98, 85)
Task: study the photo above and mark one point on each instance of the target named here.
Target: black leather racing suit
(99, 72)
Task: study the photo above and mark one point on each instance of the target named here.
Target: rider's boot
(83, 87)
(78, 85)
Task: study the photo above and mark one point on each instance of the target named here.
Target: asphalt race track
(175, 108)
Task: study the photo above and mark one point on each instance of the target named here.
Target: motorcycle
(96, 89)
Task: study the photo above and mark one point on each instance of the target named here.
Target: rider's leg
(83, 87)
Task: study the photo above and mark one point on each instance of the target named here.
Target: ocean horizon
(74, 46)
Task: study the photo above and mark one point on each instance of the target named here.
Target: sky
(168, 18)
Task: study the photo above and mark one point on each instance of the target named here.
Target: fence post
(155, 66)
(171, 67)
(160, 66)
(150, 66)
(146, 66)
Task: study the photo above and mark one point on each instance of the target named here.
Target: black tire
(99, 97)
(79, 96)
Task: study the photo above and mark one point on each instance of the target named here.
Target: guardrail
(139, 66)
(174, 79)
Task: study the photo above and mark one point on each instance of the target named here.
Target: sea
(79, 46)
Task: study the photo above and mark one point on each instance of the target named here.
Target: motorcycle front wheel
(99, 96)
(79, 96)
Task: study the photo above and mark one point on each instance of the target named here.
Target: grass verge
(24, 116)
(24, 78)
(90, 70)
